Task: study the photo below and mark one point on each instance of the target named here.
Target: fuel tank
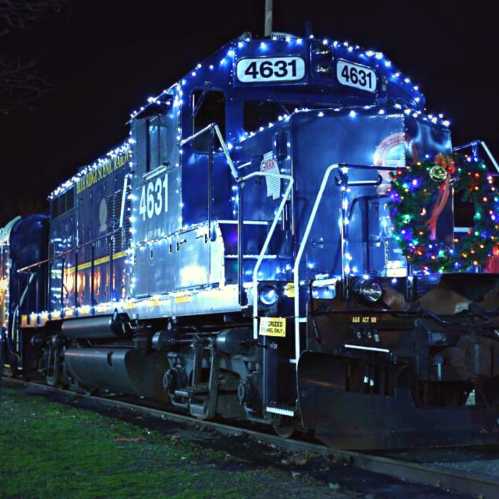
(119, 370)
(108, 326)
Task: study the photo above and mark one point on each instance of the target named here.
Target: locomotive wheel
(284, 426)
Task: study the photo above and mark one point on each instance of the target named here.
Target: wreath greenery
(418, 196)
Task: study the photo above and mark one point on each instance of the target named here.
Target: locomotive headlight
(369, 290)
(268, 295)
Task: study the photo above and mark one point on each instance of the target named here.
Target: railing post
(344, 240)
(266, 243)
(240, 240)
(92, 276)
(210, 182)
(299, 255)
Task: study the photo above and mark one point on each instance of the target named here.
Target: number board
(267, 69)
(356, 76)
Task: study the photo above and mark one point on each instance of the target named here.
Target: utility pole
(268, 17)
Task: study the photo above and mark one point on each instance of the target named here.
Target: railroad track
(458, 481)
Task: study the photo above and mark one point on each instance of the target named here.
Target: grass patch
(51, 450)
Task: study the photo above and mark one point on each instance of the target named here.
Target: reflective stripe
(371, 349)
(281, 412)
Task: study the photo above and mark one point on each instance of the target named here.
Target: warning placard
(269, 165)
(273, 326)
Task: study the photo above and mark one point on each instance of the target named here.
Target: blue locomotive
(237, 257)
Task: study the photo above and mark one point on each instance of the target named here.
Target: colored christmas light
(471, 183)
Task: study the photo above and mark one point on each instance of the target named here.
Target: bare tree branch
(19, 14)
(20, 82)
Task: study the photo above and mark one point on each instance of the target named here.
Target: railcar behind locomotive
(245, 254)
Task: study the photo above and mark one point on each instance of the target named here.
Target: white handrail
(220, 138)
(124, 195)
(15, 315)
(266, 243)
(343, 240)
(226, 151)
(485, 148)
(277, 215)
(489, 154)
(299, 255)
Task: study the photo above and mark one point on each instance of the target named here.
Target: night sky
(104, 58)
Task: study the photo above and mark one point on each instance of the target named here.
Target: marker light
(268, 296)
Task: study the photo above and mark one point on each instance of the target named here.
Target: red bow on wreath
(493, 261)
(448, 164)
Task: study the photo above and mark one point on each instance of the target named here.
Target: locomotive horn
(268, 17)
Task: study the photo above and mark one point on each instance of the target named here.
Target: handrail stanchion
(266, 243)
(308, 228)
(489, 154)
(225, 149)
(485, 148)
(299, 255)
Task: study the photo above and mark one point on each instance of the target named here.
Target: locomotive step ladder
(206, 408)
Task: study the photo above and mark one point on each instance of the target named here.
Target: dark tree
(20, 82)
(20, 14)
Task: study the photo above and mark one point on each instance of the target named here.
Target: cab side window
(207, 107)
(157, 144)
(152, 132)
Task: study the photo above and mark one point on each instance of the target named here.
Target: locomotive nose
(402, 377)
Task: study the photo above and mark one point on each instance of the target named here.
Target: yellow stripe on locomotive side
(98, 261)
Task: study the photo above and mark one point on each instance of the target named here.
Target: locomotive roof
(219, 71)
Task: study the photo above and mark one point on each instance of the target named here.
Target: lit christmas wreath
(418, 196)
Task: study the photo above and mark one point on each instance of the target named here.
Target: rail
(266, 243)
(225, 149)
(299, 255)
(15, 316)
(277, 215)
(475, 144)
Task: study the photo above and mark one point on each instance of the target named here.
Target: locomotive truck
(236, 257)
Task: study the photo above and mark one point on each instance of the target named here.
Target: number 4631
(154, 198)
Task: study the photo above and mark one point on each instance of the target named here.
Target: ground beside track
(60, 448)
(52, 450)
